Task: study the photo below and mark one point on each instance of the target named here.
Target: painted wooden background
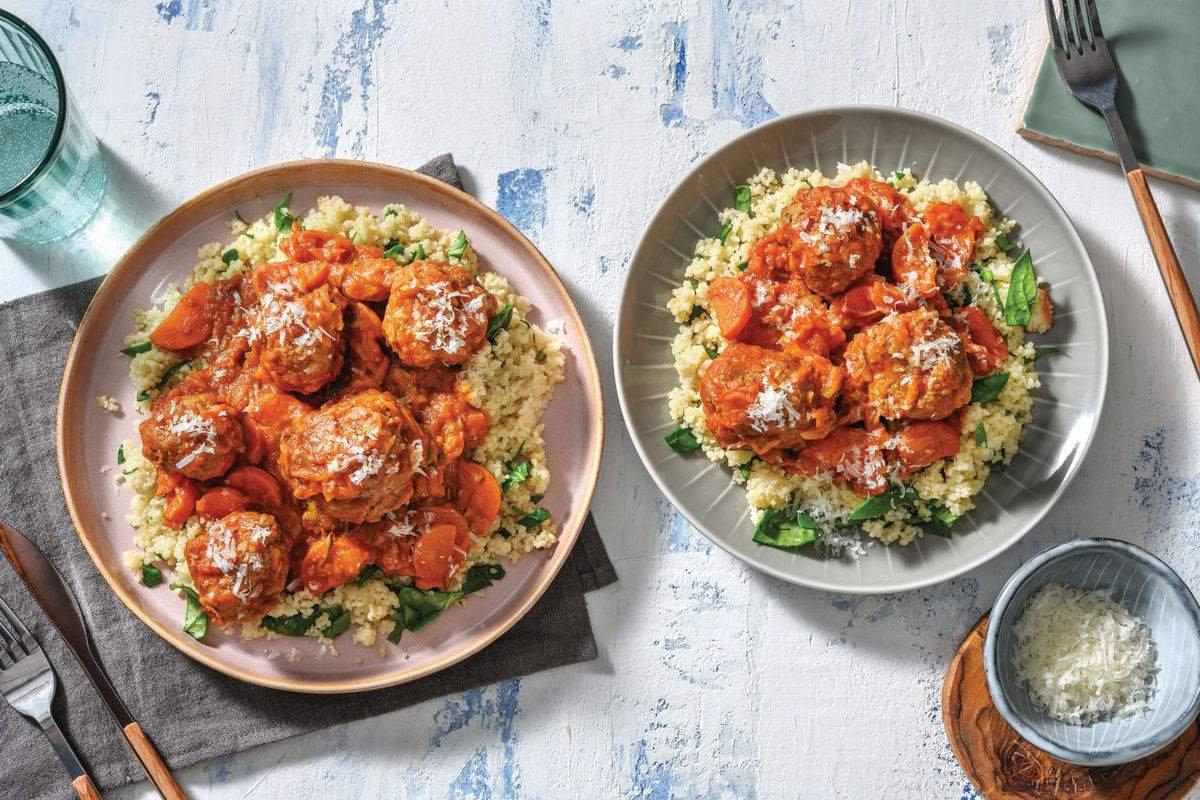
(574, 120)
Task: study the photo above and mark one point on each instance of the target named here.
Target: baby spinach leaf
(238, 216)
(880, 504)
(151, 576)
(136, 349)
(531, 519)
(725, 232)
(741, 198)
(366, 573)
(458, 247)
(500, 321)
(1022, 292)
(682, 440)
(787, 528)
(981, 435)
(121, 454)
(195, 621)
(988, 388)
(1045, 351)
(741, 267)
(419, 607)
(230, 255)
(1003, 242)
(283, 214)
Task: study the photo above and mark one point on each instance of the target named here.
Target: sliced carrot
(256, 484)
(434, 557)
(730, 302)
(188, 324)
(216, 503)
(478, 496)
(181, 502)
(332, 561)
(986, 346)
(923, 443)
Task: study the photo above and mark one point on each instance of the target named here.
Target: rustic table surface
(574, 121)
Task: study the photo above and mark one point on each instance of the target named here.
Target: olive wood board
(1003, 766)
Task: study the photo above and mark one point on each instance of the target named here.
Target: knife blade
(58, 601)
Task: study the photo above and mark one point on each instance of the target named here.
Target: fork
(1087, 67)
(27, 683)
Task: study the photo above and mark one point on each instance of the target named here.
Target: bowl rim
(1019, 578)
(151, 240)
(623, 319)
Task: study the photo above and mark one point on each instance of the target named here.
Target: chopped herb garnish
(500, 321)
(531, 519)
(1003, 242)
(121, 454)
(229, 256)
(151, 576)
(712, 351)
(419, 607)
(725, 232)
(985, 390)
(1045, 351)
(682, 440)
(1022, 292)
(283, 214)
(195, 621)
(981, 435)
(390, 212)
(880, 504)
(741, 198)
(136, 349)
(898, 175)
(366, 573)
(786, 529)
(741, 267)
(458, 247)
(170, 373)
(517, 473)
(238, 216)
(697, 312)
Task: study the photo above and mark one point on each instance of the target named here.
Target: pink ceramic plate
(88, 437)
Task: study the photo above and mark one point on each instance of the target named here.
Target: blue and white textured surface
(574, 120)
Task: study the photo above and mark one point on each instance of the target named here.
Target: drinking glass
(52, 173)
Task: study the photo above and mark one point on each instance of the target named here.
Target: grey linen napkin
(214, 715)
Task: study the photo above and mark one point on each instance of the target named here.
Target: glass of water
(52, 173)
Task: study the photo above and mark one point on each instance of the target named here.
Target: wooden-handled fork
(1087, 67)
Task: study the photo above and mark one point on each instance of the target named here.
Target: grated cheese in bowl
(1084, 656)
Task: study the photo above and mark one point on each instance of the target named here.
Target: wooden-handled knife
(58, 601)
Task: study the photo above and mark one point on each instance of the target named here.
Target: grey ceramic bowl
(1148, 588)
(1066, 407)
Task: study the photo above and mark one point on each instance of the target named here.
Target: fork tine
(1068, 28)
(8, 655)
(1094, 20)
(1085, 39)
(27, 641)
(1052, 24)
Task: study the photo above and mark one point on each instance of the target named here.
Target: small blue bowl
(1147, 587)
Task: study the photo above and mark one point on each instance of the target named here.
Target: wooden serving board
(1003, 766)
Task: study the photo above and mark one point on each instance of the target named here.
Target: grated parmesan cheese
(1084, 656)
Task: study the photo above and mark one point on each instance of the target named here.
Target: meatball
(356, 457)
(437, 314)
(195, 434)
(297, 325)
(239, 566)
(911, 365)
(895, 211)
(834, 237)
(765, 399)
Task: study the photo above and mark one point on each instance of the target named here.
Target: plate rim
(623, 320)
(127, 264)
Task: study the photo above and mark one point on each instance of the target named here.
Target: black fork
(1086, 65)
